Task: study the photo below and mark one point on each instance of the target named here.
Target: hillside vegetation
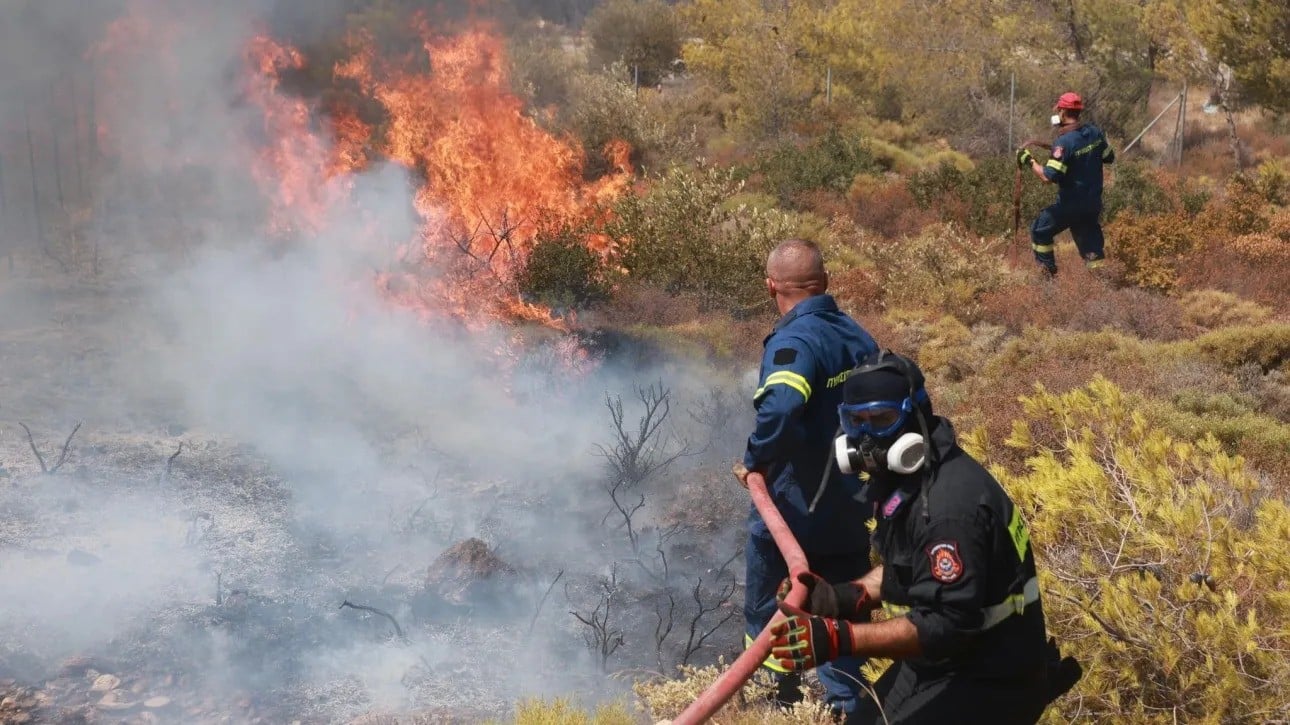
(1140, 417)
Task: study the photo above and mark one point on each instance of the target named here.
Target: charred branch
(637, 453)
(700, 633)
(627, 510)
(62, 456)
(538, 610)
(601, 636)
(381, 612)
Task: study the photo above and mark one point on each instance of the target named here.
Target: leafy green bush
(831, 162)
(979, 198)
(641, 34)
(1134, 188)
(682, 236)
(1163, 563)
(562, 272)
(1267, 346)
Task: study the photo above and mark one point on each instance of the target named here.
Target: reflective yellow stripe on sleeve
(1042, 248)
(770, 663)
(1017, 532)
(1056, 165)
(1107, 152)
(785, 377)
(895, 610)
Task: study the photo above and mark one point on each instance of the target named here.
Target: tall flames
(489, 178)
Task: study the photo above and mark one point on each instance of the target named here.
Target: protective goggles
(879, 418)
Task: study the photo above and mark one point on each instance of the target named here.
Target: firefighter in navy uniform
(1075, 166)
(807, 357)
(966, 625)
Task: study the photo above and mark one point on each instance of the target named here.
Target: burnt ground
(143, 586)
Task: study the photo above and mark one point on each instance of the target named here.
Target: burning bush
(1166, 630)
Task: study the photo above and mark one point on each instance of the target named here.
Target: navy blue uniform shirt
(1075, 165)
(807, 358)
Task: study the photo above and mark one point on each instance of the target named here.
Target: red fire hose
(720, 692)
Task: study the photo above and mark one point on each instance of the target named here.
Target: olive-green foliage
(1268, 345)
(644, 35)
(683, 236)
(1212, 309)
(942, 268)
(562, 272)
(1163, 564)
(1233, 421)
(830, 162)
(980, 197)
(1134, 188)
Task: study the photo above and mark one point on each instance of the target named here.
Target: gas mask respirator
(906, 454)
(872, 441)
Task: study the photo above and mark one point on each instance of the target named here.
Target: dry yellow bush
(1210, 308)
(1164, 564)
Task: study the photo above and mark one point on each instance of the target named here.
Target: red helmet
(1071, 102)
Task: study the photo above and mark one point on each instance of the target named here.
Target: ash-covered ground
(188, 558)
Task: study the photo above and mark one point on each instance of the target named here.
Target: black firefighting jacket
(957, 561)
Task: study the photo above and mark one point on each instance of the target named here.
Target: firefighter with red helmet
(1075, 166)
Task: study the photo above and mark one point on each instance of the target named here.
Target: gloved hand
(802, 641)
(1024, 157)
(847, 601)
(741, 473)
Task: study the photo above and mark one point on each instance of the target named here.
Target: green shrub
(979, 198)
(942, 268)
(1211, 309)
(830, 162)
(640, 34)
(1163, 564)
(562, 272)
(1134, 188)
(682, 236)
(1267, 346)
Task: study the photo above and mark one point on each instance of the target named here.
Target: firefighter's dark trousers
(963, 699)
(1084, 222)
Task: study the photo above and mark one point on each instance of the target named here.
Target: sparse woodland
(1140, 418)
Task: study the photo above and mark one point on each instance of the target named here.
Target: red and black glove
(802, 641)
(847, 601)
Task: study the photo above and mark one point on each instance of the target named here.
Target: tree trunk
(1232, 139)
(1073, 27)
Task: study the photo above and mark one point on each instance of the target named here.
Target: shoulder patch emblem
(947, 567)
(892, 504)
(1057, 152)
(784, 356)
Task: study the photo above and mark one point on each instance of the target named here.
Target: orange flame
(489, 178)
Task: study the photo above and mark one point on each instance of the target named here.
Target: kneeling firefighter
(965, 626)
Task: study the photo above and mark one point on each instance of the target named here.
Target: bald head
(795, 271)
(797, 264)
